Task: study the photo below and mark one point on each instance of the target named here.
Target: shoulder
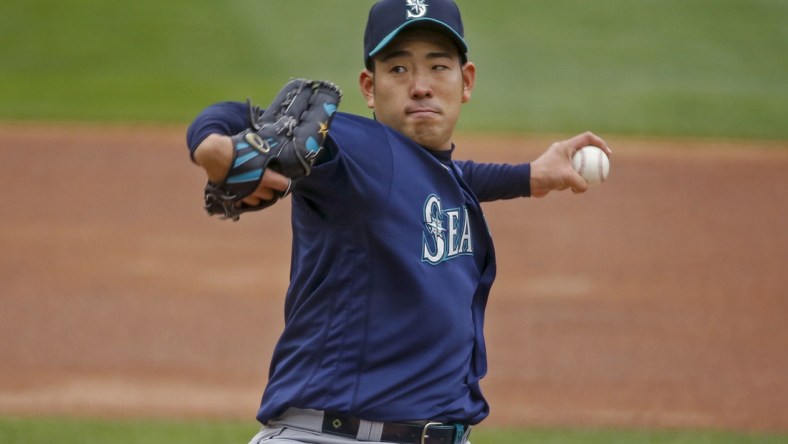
(345, 123)
(356, 146)
(350, 130)
(350, 133)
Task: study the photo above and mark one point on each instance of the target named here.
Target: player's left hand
(286, 139)
(272, 185)
(552, 171)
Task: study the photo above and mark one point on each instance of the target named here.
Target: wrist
(535, 180)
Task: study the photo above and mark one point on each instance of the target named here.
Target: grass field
(661, 67)
(62, 431)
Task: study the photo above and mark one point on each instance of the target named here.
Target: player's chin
(430, 136)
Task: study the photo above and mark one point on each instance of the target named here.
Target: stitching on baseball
(582, 162)
(601, 168)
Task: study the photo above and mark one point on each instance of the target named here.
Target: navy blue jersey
(392, 264)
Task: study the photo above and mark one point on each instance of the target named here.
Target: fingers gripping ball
(286, 137)
(592, 164)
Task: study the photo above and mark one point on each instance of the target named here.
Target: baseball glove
(286, 137)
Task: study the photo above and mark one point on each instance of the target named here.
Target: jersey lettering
(447, 233)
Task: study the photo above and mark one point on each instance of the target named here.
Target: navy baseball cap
(388, 17)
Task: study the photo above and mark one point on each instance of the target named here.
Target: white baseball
(591, 163)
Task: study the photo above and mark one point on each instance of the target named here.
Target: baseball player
(392, 261)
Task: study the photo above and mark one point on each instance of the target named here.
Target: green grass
(83, 431)
(648, 67)
(610, 436)
(658, 67)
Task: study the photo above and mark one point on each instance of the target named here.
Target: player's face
(418, 87)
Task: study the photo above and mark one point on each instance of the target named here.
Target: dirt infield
(658, 299)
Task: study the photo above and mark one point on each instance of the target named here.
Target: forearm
(214, 154)
(491, 181)
(223, 119)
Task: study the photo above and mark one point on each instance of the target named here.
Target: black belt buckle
(425, 431)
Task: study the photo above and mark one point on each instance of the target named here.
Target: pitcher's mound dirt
(657, 299)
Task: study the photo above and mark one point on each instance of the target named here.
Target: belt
(363, 430)
(399, 432)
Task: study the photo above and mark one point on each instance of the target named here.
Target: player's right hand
(553, 171)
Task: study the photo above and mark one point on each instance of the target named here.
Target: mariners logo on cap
(416, 8)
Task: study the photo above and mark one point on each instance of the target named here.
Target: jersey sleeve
(224, 118)
(495, 181)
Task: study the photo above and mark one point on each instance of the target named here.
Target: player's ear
(366, 82)
(468, 80)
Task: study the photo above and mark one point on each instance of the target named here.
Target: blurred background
(662, 67)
